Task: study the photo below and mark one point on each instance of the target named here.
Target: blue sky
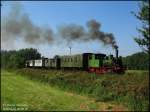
(115, 17)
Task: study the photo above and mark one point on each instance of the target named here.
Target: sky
(115, 17)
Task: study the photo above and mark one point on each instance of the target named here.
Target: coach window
(75, 59)
(71, 59)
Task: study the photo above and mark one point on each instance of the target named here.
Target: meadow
(43, 89)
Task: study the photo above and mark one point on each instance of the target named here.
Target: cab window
(106, 57)
(96, 57)
(90, 56)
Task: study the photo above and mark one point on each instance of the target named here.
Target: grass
(130, 89)
(37, 96)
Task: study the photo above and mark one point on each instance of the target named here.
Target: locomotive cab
(108, 61)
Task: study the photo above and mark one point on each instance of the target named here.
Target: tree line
(16, 59)
(137, 61)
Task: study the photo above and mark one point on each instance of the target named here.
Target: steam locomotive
(98, 63)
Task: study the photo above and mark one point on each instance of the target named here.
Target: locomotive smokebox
(116, 48)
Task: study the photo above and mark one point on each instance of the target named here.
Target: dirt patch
(119, 108)
(111, 107)
(101, 106)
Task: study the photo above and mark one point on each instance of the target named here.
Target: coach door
(58, 63)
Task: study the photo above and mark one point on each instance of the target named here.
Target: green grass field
(19, 92)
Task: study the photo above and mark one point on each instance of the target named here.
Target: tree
(143, 15)
(16, 59)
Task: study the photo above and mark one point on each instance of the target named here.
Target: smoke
(75, 32)
(17, 24)
(71, 32)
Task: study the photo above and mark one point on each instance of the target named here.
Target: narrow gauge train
(98, 63)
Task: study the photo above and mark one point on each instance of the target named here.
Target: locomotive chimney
(116, 48)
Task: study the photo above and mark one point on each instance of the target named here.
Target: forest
(16, 59)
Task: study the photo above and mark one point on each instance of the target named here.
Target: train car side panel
(38, 63)
(74, 61)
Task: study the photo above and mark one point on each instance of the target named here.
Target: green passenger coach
(72, 61)
(82, 61)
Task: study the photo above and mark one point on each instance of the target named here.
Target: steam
(17, 24)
